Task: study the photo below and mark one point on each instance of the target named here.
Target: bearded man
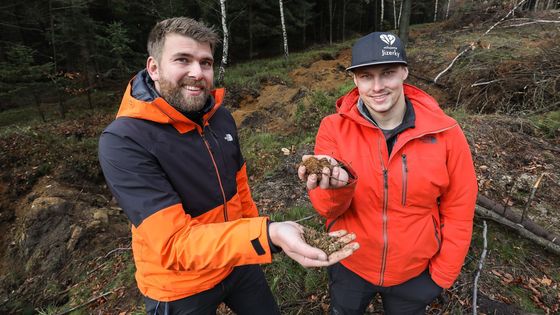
(173, 162)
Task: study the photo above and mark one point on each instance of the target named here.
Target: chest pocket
(424, 174)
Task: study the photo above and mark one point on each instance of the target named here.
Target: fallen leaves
(537, 287)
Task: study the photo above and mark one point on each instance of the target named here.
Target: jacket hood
(141, 101)
(429, 116)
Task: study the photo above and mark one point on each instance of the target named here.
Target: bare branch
(549, 245)
(533, 190)
(471, 46)
(485, 83)
(88, 302)
(480, 264)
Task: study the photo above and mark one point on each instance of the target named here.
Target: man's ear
(354, 77)
(405, 73)
(153, 68)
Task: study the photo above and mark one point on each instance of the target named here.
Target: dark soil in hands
(315, 166)
(321, 240)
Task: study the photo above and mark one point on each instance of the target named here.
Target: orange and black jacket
(184, 188)
(411, 209)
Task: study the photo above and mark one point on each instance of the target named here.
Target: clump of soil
(315, 166)
(321, 240)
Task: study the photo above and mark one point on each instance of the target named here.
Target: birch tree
(435, 10)
(284, 34)
(447, 11)
(382, 13)
(400, 14)
(225, 43)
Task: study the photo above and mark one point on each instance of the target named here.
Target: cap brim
(375, 63)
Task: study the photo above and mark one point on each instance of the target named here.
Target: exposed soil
(322, 240)
(316, 166)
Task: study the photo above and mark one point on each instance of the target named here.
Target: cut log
(513, 215)
(489, 209)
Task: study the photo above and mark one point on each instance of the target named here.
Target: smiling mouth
(380, 97)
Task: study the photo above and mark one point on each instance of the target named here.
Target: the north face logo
(228, 137)
(388, 39)
(429, 139)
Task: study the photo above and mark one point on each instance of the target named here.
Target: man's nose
(378, 84)
(195, 71)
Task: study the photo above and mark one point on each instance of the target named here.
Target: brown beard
(172, 94)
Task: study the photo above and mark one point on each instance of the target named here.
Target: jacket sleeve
(160, 223)
(332, 203)
(456, 209)
(249, 207)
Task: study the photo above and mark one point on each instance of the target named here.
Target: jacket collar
(142, 101)
(429, 116)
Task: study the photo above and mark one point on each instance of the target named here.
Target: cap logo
(388, 39)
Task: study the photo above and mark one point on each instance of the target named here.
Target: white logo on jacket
(228, 137)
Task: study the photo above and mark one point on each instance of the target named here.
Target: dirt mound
(53, 226)
(274, 108)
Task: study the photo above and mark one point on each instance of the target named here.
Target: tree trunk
(225, 44)
(435, 10)
(405, 21)
(382, 15)
(447, 11)
(52, 37)
(38, 104)
(304, 39)
(250, 30)
(61, 104)
(344, 3)
(284, 34)
(395, 14)
(400, 13)
(330, 21)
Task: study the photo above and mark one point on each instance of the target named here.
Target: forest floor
(68, 245)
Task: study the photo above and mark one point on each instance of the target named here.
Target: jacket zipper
(437, 234)
(385, 236)
(217, 174)
(405, 179)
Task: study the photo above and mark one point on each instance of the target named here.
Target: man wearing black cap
(403, 181)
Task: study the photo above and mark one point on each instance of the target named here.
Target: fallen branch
(88, 302)
(531, 22)
(512, 216)
(485, 83)
(489, 214)
(116, 250)
(480, 264)
(471, 45)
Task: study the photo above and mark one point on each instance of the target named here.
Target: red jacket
(184, 188)
(411, 210)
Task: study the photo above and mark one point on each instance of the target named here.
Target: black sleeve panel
(134, 177)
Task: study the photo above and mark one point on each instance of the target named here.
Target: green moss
(548, 123)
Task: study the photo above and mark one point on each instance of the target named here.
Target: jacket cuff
(273, 248)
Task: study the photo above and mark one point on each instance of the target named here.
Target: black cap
(377, 48)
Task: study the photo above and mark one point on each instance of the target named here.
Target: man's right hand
(338, 178)
(289, 236)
